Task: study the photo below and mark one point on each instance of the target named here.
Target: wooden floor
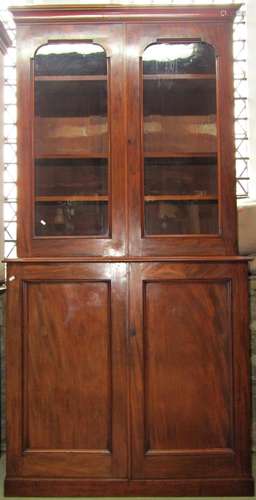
(2, 473)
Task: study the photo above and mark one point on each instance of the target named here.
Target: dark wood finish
(187, 333)
(175, 197)
(62, 135)
(127, 353)
(172, 154)
(29, 39)
(70, 155)
(77, 13)
(224, 243)
(183, 76)
(214, 337)
(215, 328)
(180, 176)
(164, 488)
(67, 364)
(71, 176)
(64, 132)
(69, 78)
(177, 134)
(212, 258)
(69, 346)
(93, 198)
(176, 379)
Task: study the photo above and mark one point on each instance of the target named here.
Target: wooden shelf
(180, 76)
(180, 197)
(89, 198)
(173, 154)
(71, 135)
(70, 78)
(72, 156)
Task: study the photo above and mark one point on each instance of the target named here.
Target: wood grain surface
(128, 368)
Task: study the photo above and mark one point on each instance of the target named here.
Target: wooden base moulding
(78, 487)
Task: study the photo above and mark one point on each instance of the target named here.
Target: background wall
(251, 72)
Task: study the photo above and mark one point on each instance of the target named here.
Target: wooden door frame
(178, 464)
(25, 462)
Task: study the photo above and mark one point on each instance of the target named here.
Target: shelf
(176, 133)
(173, 154)
(180, 76)
(70, 78)
(73, 156)
(180, 197)
(154, 154)
(88, 198)
(71, 135)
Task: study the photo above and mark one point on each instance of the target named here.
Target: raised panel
(187, 335)
(67, 380)
(187, 352)
(67, 344)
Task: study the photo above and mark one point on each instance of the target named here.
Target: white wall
(1, 161)
(251, 26)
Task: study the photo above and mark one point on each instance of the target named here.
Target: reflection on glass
(71, 140)
(195, 176)
(180, 139)
(70, 59)
(71, 176)
(67, 99)
(181, 217)
(71, 218)
(178, 58)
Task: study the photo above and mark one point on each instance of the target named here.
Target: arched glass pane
(71, 140)
(180, 139)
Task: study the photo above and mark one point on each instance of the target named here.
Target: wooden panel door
(67, 371)
(72, 176)
(190, 381)
(180, 138)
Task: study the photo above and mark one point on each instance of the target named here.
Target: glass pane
(71, 59)
(181, 217)
(196, 176)
(71, 140)
(180, 138)
(71, 177)
(68, 218)
(179, 58)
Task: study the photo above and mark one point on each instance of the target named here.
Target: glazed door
(72, 199)
(180, 149)
(187, 335)
(67, 384)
